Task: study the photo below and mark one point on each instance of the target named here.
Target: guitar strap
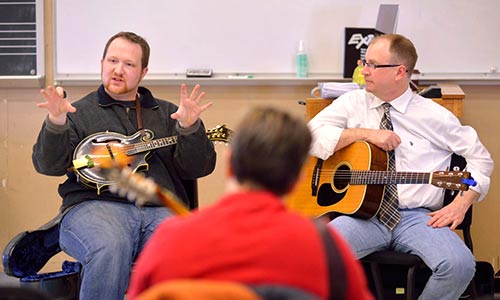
(336, 268)
(138, 112)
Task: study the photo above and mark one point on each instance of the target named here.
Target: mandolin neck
(151, 145)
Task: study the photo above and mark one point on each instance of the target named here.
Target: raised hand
(190, 107)
(56, 104)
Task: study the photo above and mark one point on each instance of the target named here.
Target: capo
(469, 181)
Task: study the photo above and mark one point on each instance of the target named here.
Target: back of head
(269, 149)
(402, 50)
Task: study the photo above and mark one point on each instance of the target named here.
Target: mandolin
(105, 149)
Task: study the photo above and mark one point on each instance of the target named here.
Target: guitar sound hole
(332, 193)
(341, 178)
(327, 196)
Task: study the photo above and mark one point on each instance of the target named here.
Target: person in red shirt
(249, 236)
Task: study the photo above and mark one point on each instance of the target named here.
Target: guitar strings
(376, 174)
(449, 179)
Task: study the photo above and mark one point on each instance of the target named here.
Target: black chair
(375, 262)
(28, 252)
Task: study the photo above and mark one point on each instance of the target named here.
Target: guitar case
(27, 253)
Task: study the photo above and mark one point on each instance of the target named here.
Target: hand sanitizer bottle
(357, 76)
(302, 61)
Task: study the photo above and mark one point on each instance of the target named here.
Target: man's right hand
(56, 104)
(386, 140)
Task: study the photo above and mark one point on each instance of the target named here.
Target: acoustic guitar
(352, 181)
(106, 149)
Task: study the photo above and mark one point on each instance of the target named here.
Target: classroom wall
(28, 199)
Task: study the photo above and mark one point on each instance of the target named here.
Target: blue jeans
(451, 262)
(106, 238)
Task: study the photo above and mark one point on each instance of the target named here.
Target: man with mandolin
(418, 135)
(102, 230)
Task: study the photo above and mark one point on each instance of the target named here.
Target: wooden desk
(452, 98)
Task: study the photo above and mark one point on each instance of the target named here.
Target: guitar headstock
(137, 187)
(219, 133)
(133, 186)
(453, 180)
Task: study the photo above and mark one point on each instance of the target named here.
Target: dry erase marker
(240, 76)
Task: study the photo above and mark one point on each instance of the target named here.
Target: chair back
(459, 162)
(191, 187)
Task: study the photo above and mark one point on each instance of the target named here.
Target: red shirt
(248, 237)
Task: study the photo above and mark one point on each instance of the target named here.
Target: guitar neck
(151, 145)
(388, 177)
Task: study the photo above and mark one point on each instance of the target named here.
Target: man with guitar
(104, 231)
(249, 236)
(418, 135)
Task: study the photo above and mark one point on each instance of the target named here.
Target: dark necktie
(389, 210)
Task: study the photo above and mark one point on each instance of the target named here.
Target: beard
(116, 89)
(120, 90)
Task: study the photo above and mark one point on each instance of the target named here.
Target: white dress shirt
(429, 134)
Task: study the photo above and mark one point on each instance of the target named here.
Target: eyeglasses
(375, 66)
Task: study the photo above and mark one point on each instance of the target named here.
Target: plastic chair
(204, 289)
(412, 262)
(198, 289)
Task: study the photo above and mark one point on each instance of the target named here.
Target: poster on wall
(356, 43)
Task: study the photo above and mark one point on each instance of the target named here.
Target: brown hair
(134, 38)
(402, 50)
(269, 149)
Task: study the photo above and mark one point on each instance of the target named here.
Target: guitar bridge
(315, 177)
(110, 151)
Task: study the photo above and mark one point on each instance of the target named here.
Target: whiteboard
(261, 36)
